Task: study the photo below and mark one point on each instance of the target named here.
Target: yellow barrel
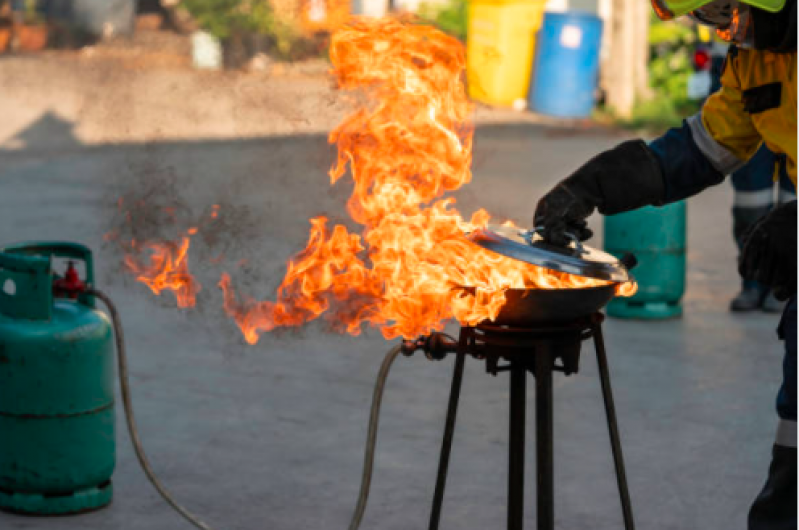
(499, 48)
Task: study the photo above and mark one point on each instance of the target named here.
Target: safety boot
(747, 300)
(771, 304)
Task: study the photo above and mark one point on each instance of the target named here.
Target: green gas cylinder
(656, 236)
(57, 449)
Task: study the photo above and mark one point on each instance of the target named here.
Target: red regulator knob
(70, 285)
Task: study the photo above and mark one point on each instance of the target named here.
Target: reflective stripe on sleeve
(784, 196)
(719, 156)
(754, 199)
(786, 433)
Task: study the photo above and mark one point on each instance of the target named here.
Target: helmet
(668, 9)
(732, 19)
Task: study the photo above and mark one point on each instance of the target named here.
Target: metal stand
(446, 444)
(518, 411)
(535, 350)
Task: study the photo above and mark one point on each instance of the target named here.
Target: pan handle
(528, 238)
(629, 260)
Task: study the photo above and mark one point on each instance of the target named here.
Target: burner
(540, 349)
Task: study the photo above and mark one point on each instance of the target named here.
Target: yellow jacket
(756, 103)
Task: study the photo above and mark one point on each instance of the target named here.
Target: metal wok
(534, 307)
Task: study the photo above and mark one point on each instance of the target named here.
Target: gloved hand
(769, 251)
(621, 179)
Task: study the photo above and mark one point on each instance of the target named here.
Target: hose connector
(435, 346)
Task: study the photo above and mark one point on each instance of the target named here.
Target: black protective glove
(621, 179)
(769, 251)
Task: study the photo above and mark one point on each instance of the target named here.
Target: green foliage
(220, 18)
(671, 48)
(670, 33)
(449, 17)
(226, 19)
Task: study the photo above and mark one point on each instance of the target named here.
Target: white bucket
(206, 51)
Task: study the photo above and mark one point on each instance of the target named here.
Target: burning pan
(534, 307)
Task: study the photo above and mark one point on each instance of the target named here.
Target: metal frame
(531, 350)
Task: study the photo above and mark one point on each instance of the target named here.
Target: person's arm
(679, 164)
(711, 144)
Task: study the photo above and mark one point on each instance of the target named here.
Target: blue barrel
(566, 65)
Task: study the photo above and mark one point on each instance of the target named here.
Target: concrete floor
(271, 436)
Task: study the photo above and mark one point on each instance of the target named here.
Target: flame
(626, 289)
(407, 146)
(167, 267)
(167, 270)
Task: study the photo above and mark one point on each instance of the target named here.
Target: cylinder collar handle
(59, 249)
(25, 287)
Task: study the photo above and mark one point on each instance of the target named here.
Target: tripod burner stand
(518, 351)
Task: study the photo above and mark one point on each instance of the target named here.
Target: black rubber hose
(371, 436)
(124, 384)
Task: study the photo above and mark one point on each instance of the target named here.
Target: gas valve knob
(70, 285)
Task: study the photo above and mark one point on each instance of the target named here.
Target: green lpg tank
(656, 236)
(57, 449)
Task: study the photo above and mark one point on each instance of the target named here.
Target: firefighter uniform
(755, 106)
(754, 189)
(754, 196)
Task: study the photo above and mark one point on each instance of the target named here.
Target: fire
(407, 146)
(167, 263)
(167, 270)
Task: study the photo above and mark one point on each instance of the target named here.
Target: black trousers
(775, 507)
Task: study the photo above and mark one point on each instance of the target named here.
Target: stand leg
(518, 408)
(449, 431)
(613, 428)
(545, 482)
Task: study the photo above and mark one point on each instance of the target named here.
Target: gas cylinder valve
(70, 286)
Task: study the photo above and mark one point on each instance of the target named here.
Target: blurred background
(614, 61)
(135, 120)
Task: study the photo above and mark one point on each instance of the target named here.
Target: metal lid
(528, 246)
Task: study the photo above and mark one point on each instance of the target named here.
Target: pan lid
(576, 258)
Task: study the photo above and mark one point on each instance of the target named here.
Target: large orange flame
(167, 269)
(409, 144)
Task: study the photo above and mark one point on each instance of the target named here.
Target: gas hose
(371, 436)
(124, 384)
